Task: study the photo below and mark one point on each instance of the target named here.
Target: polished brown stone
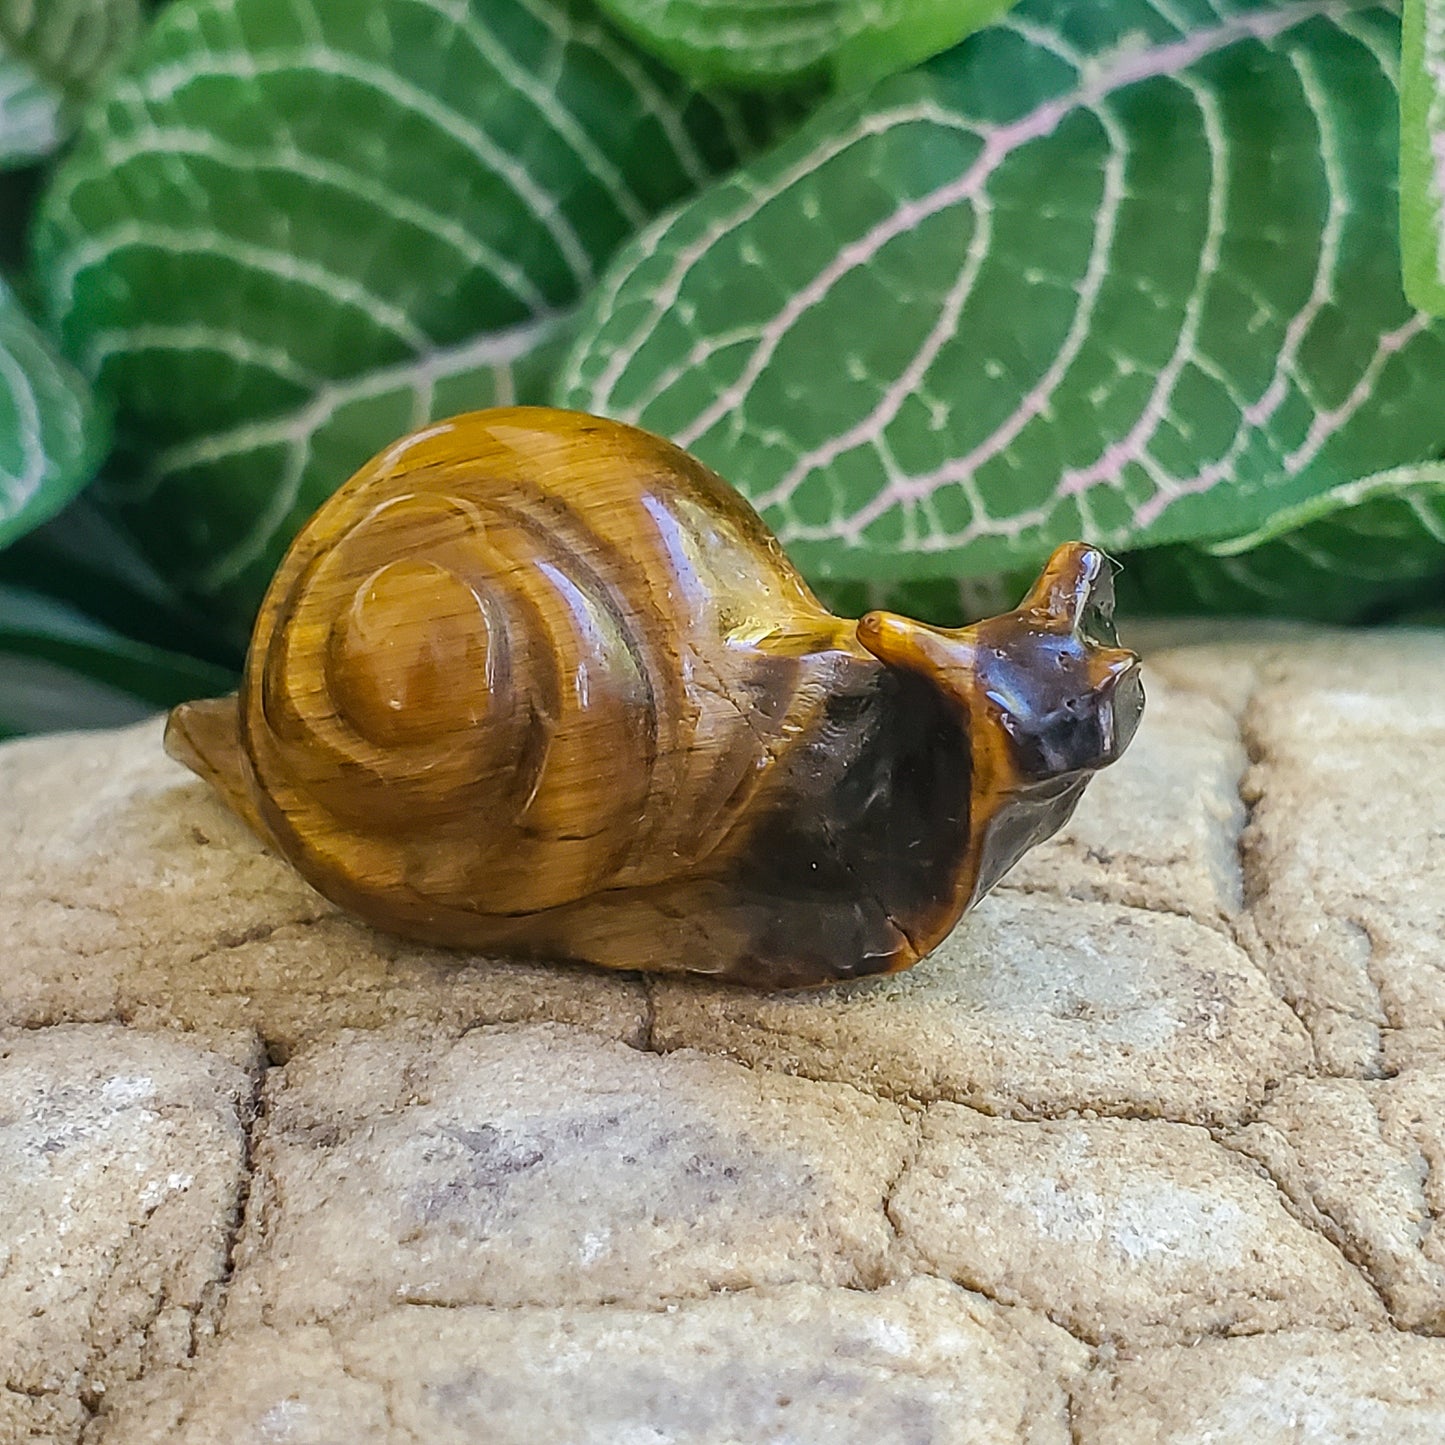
(539, 682)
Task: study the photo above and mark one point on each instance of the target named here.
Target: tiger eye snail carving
(541, 684)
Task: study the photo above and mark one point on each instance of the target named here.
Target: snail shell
(540, 683)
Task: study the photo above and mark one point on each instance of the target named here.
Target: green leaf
(1352, 554)
(51, 437)
(242, 492)
(290, 231)
(1422, 153)
(84, 561)
(944, 601)
(1104, 270)
(768, 43)
(18, 189)
(51, 53)
(894, 35)
(1426, 616)
(60, 669)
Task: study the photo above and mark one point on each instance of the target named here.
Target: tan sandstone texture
(919, 1361)
(122, 1157)
(534, 1165)
(1151, 1150)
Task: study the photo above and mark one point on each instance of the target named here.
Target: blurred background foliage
(936, 283)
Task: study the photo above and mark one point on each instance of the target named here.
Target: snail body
(539, 683)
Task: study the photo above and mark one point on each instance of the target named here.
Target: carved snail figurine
(542, 684)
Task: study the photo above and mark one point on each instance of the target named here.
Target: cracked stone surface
(1292, 1388)
(536, 1166)
(123, 1156)
(1034, 1006)
(1149, 1151)
(1364, 1162)
(1121, 1230)
(1346, 844)
(920, 1361)
(139, 897)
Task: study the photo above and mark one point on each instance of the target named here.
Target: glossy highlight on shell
(541, 684)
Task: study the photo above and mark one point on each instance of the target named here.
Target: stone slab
(539, 1165)
(450, 1226)
(1299, 1387)
(1035, 1006)
(132, 893)
(1346, 842)
(921, 1362)
(1364, 1162)
(122, 1158)
(1122, 1231)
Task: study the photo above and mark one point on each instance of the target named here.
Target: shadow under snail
(542, 684)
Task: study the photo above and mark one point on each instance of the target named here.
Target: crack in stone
(1222, 926)
(36, 1023)
(212, 1297)
(1343, 1246)
(254, 1109)
(1012, 1110)
(647, 1036)
(898, 1260)
(1372, 976)
(1252, 879)
(1218, 924)
(257, 933)
(387, 1387)
(1070, 1423)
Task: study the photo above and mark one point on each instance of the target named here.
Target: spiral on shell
(540, 682)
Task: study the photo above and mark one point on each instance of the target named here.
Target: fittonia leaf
(946, 601)
(51, 52)
(765, 43)
(60, 668)
(1422, 153)
(1347, 555)
(51, 437)
(83, 561)
(291, 230)
(1119, 270)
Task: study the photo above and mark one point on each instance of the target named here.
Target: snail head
(1050, 698)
